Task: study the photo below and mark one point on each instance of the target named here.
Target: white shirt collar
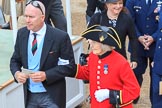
(147, 1)
(42, 31)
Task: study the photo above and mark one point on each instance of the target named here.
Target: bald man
(40, 48)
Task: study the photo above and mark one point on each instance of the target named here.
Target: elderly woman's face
(115, 7)
(96, 47)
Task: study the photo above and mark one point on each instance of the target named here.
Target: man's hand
(133, 65)
(149, 40)
(38, 76)
(143, 41)
(21, 77)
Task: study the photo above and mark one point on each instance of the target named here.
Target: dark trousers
(156, 98)
(40, 100)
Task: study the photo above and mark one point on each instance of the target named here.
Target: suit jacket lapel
(48, 42)
(24, 40)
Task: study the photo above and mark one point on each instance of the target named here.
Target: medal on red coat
(105, 69)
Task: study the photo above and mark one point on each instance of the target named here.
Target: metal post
(68, 17)
(14, 18)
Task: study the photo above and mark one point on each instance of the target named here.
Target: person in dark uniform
(112, 81)
(92, 5)
(55, 14)
(146, 23)
(157, 67)
(115, 16)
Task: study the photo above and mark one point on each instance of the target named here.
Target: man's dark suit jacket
(56, 44)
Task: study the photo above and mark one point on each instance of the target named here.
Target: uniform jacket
(119, 79)
(145, 22)
(158, 49)
(123, 29)
(56, 44)
(92, 5)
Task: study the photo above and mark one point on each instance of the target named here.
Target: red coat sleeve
(130, 90)
(82, 72)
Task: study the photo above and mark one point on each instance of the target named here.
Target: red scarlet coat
(119, 77)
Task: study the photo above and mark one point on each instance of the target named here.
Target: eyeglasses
(35, 4)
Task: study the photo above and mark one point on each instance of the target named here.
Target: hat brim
(107, 37)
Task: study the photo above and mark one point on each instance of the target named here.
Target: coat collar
(25, 47)
(48, 42)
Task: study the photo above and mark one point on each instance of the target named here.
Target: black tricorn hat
(103, 34)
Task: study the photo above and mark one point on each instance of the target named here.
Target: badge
(159, 4)
(105, 69)
(137, 8)
(157, 17)
(157, 9)
(160, 88)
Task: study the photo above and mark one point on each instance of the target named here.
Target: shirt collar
(41, 31)
(147, 1)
